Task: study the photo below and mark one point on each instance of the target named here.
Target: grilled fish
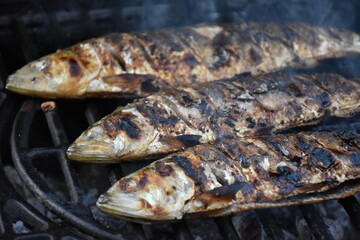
(234, 175)
(140, 63)
(240, 106)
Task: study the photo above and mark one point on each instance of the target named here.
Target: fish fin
(181, 141)
(268, 130)
(137, 84)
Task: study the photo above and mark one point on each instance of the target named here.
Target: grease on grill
(48, 106)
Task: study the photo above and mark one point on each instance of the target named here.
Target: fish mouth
(121, 205)
(129, 207)
(33, 84)
(91, 152)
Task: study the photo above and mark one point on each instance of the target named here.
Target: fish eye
(127, 185)
(94, 133)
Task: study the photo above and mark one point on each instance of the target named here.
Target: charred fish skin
(238, 174)
(128, 64)
(240, 106)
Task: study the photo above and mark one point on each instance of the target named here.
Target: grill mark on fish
(124, 124)
(189, 140)
(74, 68)
(117, 57)
(191, 171)
(324, 159)
(255, 56)
(146, 55)
(219, 113)
(251, 187)
(182, 56)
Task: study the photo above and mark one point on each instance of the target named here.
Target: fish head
(61, 74)
(156, 192)
(122, 135)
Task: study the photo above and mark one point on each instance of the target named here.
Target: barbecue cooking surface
(43, 195)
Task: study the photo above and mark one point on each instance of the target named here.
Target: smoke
(159, 14)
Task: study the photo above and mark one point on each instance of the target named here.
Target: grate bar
(271, 228)
(2, 227)
(315, 221)
(115, 171)
(33, 153)
(60, 139)
(352, 207)
(182, 231)
(226, 228)
(18, 143)
(3, 72)
(15, 210)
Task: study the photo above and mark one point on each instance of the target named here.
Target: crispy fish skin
(140, 63)
(234, 175)
(240, 106)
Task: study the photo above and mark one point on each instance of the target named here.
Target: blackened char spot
(295, 90)
(187, 100)
(229, 191)
(189, 140)
(119, 59)
(163, 170)
(290, 175)
(251, 122)
(115, 38)
(323, 100)
(204, 107)
(255, 57)
(185, 164)
(355, 159)
(220, 113)
(229, 122)
(125, 124)
(243, 161)
(264, 129)
(174, 47)
(74, 68)
(143, 181)
(191, 61)
(302, 144)
(196, 174)
(152, 113)
(324, 159)
(171, 121)
(148, 87)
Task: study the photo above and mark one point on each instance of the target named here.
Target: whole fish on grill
(234, 175)
(201, 113)
(140, 63)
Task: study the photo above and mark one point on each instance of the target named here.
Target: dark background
(56, 24)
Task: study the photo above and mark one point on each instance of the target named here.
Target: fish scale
(208, 181)
(205, 112)
(141, 63)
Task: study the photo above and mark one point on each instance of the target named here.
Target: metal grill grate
(55, 198)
